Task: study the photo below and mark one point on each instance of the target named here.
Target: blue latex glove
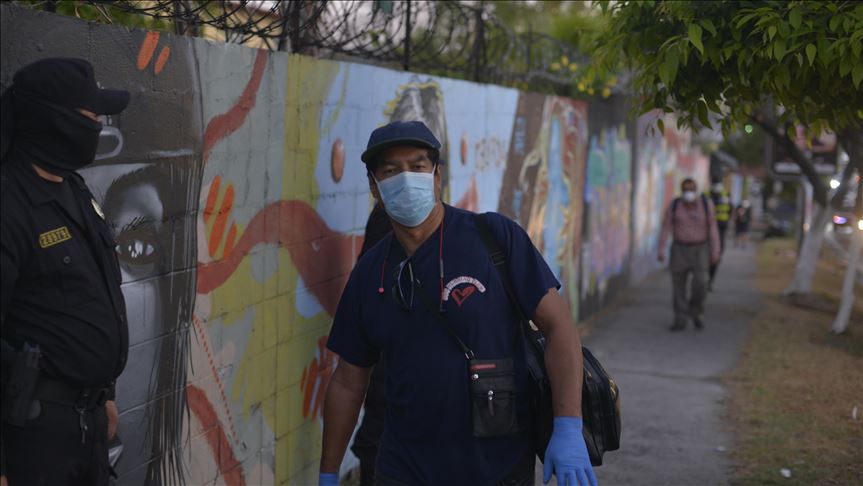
(567, 455)
(328, 479)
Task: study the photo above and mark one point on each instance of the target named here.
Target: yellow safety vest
(722, 207)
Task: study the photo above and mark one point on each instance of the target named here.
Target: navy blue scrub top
(427, 436)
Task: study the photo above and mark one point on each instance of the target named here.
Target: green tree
(579, 25)
(747, 148)
(726, 60)
(571, 22)
(99, 12)
(523, 17)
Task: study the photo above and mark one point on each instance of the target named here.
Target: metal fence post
(478, 54)
(295, 25)
(283, 34)
(407, 54)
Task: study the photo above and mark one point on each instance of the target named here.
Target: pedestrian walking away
(428, 299)
(64, 331)
(722, 204)
(691, 221)
(742, 218)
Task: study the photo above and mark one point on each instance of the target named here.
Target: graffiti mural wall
(606, 231)
(544, 180)
(236, 196)
(662, 161)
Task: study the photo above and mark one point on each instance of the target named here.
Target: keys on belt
(81, 399)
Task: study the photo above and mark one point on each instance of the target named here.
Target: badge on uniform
(97, 208)
(53, 237)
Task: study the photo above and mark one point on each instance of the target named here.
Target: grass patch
(796, 385)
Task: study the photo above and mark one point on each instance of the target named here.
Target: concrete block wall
(235, 191)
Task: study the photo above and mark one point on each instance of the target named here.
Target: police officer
(722, 205)
(60, 280)
(409, 297)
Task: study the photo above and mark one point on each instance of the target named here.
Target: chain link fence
(453, 38)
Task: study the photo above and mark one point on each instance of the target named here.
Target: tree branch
(819, 191)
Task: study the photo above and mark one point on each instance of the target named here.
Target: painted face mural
(146, 177)
(423, 101)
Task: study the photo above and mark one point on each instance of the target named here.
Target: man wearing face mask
(65, 337)
(691, 220)
(428, 298)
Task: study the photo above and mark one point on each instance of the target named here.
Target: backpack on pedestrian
(676, 201)
(600, 395)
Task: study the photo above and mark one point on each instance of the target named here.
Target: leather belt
(699, 243)
(81, 397)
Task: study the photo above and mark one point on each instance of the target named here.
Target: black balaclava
(41, 118)
(58, 139)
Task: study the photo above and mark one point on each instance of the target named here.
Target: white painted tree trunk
(804, 270)
(847, 303)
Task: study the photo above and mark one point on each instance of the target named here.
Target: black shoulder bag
(600, 396)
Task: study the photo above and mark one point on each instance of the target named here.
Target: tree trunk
(852, 140)
(807, 259)
(847, 303)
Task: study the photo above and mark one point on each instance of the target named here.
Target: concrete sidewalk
(672, 397)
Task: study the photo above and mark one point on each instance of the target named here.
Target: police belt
(58, 392)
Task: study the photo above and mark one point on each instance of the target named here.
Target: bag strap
(498, 259)
(432, 308)
(531, 336)
(706, 214)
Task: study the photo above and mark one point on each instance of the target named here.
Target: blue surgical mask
(408, 197)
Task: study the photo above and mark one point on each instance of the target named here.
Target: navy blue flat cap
(414, 133)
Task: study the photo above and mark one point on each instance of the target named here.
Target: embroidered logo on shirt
(461, 294)
(53, 237)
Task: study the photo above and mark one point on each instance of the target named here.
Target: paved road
(672, 396)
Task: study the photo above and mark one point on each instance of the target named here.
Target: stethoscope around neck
(406, 263)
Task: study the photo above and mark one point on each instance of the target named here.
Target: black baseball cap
(70, 83)
(414, 133)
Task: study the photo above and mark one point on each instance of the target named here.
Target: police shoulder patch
(53, 237)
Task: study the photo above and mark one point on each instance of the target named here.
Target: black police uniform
(60, 291)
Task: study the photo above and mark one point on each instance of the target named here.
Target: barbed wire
(455, 38)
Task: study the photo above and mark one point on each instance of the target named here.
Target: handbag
(600, 395)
